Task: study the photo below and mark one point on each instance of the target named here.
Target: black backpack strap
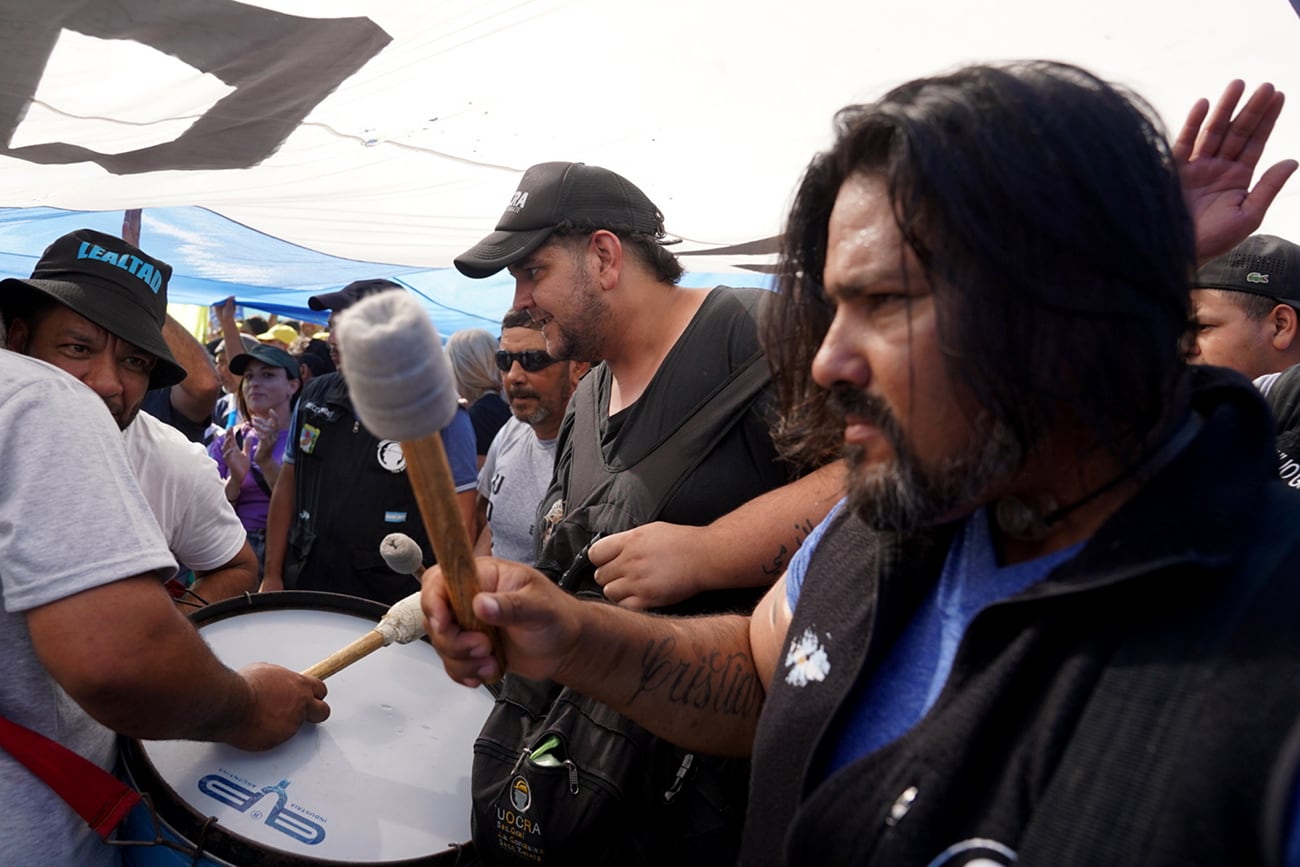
(585, 436)
(660, 473)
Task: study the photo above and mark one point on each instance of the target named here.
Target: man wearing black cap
(1245, 304)
(668, 406)
(342, 490)
(587, 250)
(95, 307)
(1246, 316)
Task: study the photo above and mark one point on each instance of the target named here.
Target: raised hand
(1216, 154)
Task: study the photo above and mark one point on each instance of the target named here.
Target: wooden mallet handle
(435, 492)
(341, 659)
(403, 389)
(403, 623)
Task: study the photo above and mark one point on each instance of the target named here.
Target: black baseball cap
(553, 193)
(272, 355)
(350, 294)
(112, 283)
(316, 355)
(1261, 265)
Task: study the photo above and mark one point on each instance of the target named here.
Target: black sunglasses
(531, 360)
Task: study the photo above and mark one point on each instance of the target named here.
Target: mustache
(522, 392)
(844, 401)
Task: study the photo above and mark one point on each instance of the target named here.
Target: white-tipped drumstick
(403, 389)
(403, 623)
(402, 554)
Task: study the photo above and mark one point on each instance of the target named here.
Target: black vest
(352, 491)
(692, 448)
(1129, 709)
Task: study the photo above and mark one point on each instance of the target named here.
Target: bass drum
(385, 780)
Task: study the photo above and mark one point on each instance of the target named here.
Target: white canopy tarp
(393, 132)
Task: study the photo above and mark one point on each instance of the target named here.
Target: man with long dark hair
(1051, 623)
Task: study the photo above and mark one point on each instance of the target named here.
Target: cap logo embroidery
(517, 201)
(125, 261)
(1256, 277)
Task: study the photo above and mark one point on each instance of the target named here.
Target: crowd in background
(976, 515)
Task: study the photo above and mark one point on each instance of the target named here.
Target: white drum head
(385, 778)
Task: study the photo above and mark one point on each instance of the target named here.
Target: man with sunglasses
(520, 460)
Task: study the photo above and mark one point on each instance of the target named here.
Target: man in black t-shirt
(587, 250)
(671, 425)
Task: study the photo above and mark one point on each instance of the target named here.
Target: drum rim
(184, 821)
(315, 600)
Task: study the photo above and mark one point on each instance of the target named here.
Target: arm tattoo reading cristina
(724, 683)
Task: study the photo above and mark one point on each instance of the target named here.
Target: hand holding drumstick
(403, 389)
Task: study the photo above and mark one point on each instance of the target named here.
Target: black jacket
(1128, 709)
(352, 491)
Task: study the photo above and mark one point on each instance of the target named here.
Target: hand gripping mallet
(403, 389)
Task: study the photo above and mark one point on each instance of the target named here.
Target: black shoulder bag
(561, 779)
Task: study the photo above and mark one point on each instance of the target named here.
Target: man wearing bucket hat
(95, 307)
(93, 644)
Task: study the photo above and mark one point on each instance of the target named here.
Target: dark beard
(905, 495)
(540, 414)
(584, 341)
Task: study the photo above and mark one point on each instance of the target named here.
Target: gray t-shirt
(71, 519)
(514, 478)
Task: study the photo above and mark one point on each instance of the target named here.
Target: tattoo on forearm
(724, 683)
(777, 565)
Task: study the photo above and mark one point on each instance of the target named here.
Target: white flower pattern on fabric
(807, 660)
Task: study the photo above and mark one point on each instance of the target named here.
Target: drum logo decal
(390, 456)
(520, 798)
(291, 822)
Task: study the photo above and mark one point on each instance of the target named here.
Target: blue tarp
(214, 258)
